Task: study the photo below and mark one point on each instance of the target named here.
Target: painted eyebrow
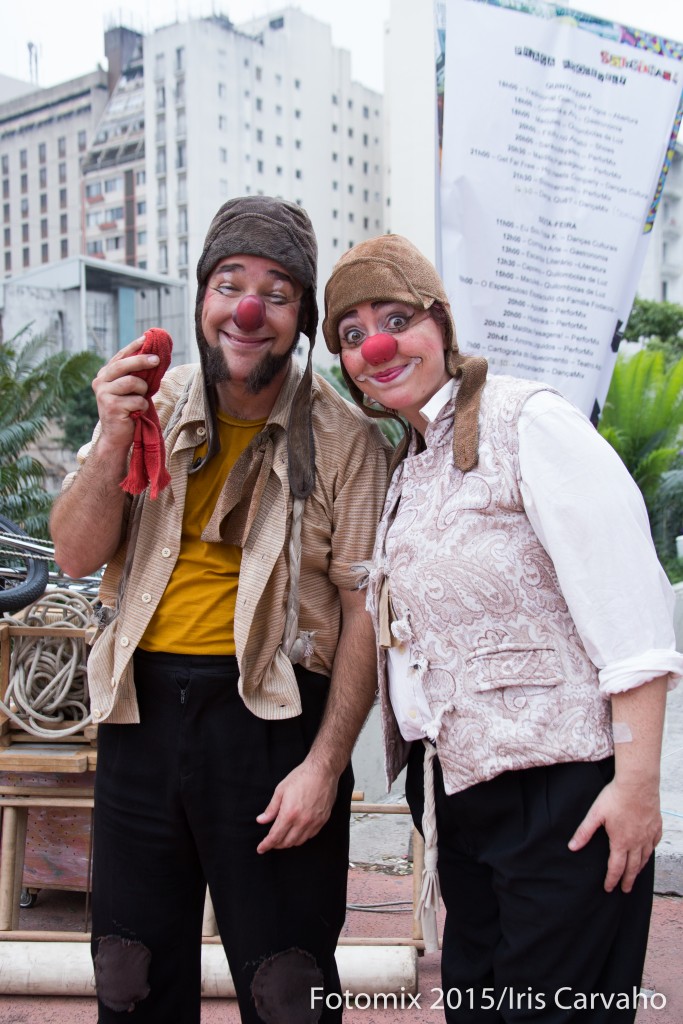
(374, 305)
(278, 275)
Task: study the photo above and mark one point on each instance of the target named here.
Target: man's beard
(217, 371)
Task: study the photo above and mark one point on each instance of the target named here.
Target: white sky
(69, 34)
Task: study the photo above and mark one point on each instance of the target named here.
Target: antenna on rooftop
(33, 63)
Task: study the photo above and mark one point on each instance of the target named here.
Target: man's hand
(119, 393)
(300, 806)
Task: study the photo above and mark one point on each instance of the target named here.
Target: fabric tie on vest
(430, 893)
(148, 458)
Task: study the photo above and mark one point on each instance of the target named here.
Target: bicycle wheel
(23, 579)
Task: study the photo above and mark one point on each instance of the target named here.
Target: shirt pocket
(492, 668)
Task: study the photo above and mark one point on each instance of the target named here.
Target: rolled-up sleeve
(591, 518)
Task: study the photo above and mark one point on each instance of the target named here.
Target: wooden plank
(47, 757)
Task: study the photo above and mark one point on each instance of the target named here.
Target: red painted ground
(60, 910)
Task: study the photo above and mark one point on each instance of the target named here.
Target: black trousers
(530, 933)
(176, 798)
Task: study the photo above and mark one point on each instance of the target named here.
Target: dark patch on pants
(121, 971)
(282, 988)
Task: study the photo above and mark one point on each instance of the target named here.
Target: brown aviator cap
(390, 268)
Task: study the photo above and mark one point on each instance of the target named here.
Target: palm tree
(35, 384)
(643, 417)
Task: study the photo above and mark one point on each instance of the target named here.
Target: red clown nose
(250, 313)
(380, 348)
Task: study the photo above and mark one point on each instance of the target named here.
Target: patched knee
(283, 985)
(121, 972)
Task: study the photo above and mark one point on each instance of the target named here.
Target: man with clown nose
(236, 664)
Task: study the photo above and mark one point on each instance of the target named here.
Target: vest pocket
(491, 668)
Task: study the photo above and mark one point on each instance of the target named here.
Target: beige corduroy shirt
(338, 528)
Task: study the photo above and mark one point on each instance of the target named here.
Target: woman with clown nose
(522, 675)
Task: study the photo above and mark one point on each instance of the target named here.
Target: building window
(5, 188)
(5, 163)
(61, 147)
(366, 112)
(142, 238)
(258, 102)
(335, 99)
(62, 198)
(140, 177)
(161, 97)
(24, 183)
(163, 258)
(350, 161)
(259, 166)
(181, 156)
(222, 123)
(42, 153)
(297, 144)
(180, 58)
(64, 248)
(335, 127)
(278, 110)
(24, 207)
(23, 159)
(278, 140)
(43, 228)
(25, 257)
(159, 65)
(160, 135)
(335, 157)
(8, 261)
(94, 248)
(141, 208)
(335, 185)
(350, 133)
(63, 223)
(43, 252)
(223, 155)
(297, 83)
(182, 253)
(297, 114)
(82, 141)
(182, 220)
(297, 174)
(162, 228)
(278, 171)
(24, 233)
(113, 184)
(259, 135)
(42, 177)
(43, 202)
(62, 174)
(351, 217)
(161, 192)
(221, 90)
(5, 213)
(180, 91)
(113, 243)
(335, 214)
(161, 160)
(349, 104)
(8, 236)
(258, 72)
(181, 191)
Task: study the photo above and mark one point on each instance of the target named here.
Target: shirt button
(97, 713)
(146, 598)
(412, 713)
(201, 431)
(124, 641)
(165, 552)
(113, 682)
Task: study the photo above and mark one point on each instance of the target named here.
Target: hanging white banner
(557, 134)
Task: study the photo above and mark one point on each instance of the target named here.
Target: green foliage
(34, 386)
(390, 428)
(643, 415)
(80, 417)
(659, 324)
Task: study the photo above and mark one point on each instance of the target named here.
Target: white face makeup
(406, 379)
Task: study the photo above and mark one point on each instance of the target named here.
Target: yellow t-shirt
(197, 611)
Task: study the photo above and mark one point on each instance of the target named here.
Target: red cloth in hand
(148, 460)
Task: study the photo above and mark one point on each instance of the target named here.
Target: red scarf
(148, 460)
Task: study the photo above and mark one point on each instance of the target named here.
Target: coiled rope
(47, 675)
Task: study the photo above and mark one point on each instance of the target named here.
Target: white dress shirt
(572, 481)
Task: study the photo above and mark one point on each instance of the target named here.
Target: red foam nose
(250, 313)
(380, 348)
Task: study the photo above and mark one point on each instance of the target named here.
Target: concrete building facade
(43, 136)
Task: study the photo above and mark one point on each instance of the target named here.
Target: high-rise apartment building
(662, 276)
(44, 134)
(208, 110)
